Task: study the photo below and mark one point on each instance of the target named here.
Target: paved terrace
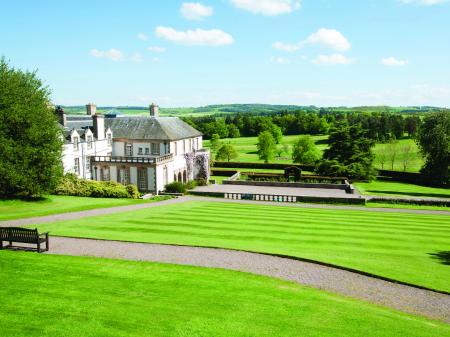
(285, 191)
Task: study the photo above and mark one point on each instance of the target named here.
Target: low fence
(282, 198)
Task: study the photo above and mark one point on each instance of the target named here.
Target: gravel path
(404, 298)
(112, 210)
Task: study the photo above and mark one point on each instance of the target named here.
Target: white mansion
(148, 151)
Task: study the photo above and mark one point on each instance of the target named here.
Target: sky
(189, 53)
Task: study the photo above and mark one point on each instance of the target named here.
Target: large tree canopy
(30, 142)
(349, 153)
(434, 142)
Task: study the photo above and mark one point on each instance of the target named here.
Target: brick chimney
(62, 117)
(91, 109)
(154, 110)
(99, 126)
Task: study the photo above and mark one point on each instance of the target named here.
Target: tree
(266, 146)
(233, 131)
(305, 151)
(276, 133)
(406, 155)
(215, 142)
(30, 139)
(434, 142)
(349, 153)
(392, 152)
(382, 157)
(227, 152)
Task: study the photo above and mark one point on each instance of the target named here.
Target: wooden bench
(23, 235)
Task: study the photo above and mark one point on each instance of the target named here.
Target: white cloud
(268, 7)
(197, 37)
(137, 58)
(393, 62)
(112, 54)
(333, 59)
(156, 59)
(424, 2)
(286, 47)
(279, 60)
(195, 10)
(157, 49)
(329, 38)
(142, 36)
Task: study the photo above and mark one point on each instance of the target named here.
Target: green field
(246, 148)
(387, 188)
(400, 246)
(53, 204)
(51, 296)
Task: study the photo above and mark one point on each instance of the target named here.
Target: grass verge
(54, 204)
(82, 297)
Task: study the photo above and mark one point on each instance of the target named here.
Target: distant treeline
(381, 126)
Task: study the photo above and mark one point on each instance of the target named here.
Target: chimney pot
(91, 109)
(154, 110)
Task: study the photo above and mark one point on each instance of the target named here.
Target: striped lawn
(407, 247)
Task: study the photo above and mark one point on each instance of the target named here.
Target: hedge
(71, 185)
(268, 166)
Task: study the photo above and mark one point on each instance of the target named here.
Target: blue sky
(189, 53)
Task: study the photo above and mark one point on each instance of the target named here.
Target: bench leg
(1, 244)
(38, 247)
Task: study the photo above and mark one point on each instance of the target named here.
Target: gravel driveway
(401, 297)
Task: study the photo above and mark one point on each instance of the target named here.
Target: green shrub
(191, 184)
(71, 185)
(175, 187)
(201, 182)
(133, 191)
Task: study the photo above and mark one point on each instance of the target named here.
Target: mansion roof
(135, 127)
(151, 128)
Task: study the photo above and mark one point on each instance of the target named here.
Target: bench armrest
(44, 234)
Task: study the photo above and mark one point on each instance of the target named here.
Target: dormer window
(140, 151)
(89, 142)
(75, 143)
(109, 139)
(147, 151)
(128, 149)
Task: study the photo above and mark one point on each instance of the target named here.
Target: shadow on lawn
(414, 194)
(443, 257)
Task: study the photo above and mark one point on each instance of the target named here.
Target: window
(140, 151)
(75, 143)
(155, 148)
(184, 146)
(88, 164)
(142, 179)
(147, 150)
(123, 176)
(76, 166)
(109, 138)
(105, 176)
(129, 149)
(176, 148)
(89, 142)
